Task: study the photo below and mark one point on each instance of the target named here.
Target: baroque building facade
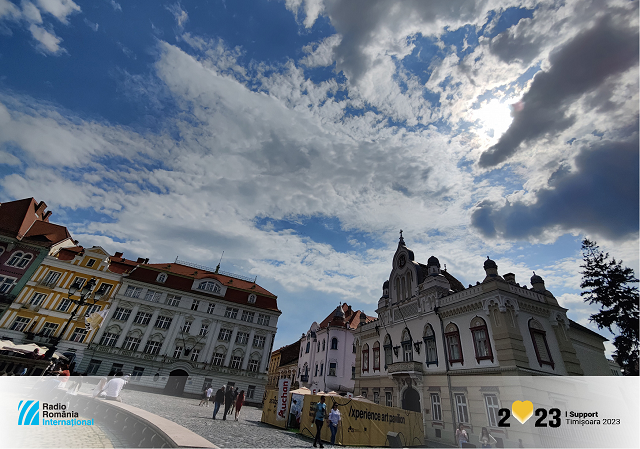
(439, 348)
(178, 327)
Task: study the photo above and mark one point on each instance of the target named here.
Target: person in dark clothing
(235, 397)
(218, 401)
(321, 410)
(228, 400)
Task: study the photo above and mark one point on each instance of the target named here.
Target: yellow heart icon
(522, 410)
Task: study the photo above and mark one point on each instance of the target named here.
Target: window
(49, 329)
(388, 355)
(481, 339)
(91, 263)
(137, 373)
(186, 327)
(116, 367)
(332, 368)
(92, 309)
(162, 278)
(263, 319)
(210, 307)
(195, 304)
(105, 288)
(38, 298)
(209, 286)
(218, 359)
(142, 318)
(204, 330)
(247, 316)
(224, 335)
(491, 401)
(253, 365)
(388, 399)
(376, 397)
(51, 278)
(539, 338)
(93, 367)
(259, 341)
(173, 300)
(20, 324)
(407, 346)
(14, 259)
(231, 313)
(6, 283)
(19, 259)
(430, 351)
(251, 391)
(131, 344)
(133, 292)
(78, 334)
(252, 298)
(122, 314)
(242, 338)
(321, 368)
(64, 305)
(334, 343)
(24, 261)
(436, 408)
(452, 336)
(353, 372)
(316, 374)
(323, 345)
(461, 407)
(152, 347)
(152, 296)
(163, 322)
(365, 358)
(376, 356)
(318, 347)
(194, 355)
(79, 282)
(109, 339)
(306, 351)
(177, 353)
(236, 362)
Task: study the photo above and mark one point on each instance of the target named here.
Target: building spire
(401, 238)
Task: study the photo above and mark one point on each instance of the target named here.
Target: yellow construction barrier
(270, 410)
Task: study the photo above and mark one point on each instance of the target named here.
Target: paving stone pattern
(248, 431)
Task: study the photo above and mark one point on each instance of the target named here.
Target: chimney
(146, 260)
(140, 260)
(40, 208)
(117, 255)
(510, 278)
(363, 318)
(46, 216)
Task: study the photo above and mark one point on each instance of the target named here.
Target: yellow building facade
(43, 307)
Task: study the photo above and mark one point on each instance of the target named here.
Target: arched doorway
(411, 400)
(177, 381)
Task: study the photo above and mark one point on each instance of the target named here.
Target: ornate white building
(179, 327)
(327, 353)
(437, 346)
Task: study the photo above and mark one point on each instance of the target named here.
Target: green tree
(610, 285)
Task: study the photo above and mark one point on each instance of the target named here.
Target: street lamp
(85, 293)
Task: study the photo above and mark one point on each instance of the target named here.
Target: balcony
(405, 368)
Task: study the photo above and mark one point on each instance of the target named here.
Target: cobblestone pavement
(248, 431)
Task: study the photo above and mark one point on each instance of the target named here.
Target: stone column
(170, 336)
(232, 342)
(147, 332)
(568, 352)
(212, 338)
(509, 344)
(127, 326)
(266, 353)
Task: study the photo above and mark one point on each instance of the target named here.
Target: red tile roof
(350, 316)
(181, 278)
(27, 220)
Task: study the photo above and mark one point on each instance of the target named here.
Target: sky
(300, 136)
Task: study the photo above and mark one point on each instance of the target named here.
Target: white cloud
(321, 54)
(47, 42)
(179, 14)
(60, 9)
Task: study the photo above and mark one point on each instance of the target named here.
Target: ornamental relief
(261, 332)
(126, 304)
(532, 308)
(462, 309)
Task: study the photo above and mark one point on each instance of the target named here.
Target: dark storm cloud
(579, 67)
(600, 197)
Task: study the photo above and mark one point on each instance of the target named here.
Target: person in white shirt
(334, 420)
(206, 397)
(113, 387)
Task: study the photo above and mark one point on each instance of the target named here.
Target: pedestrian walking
(218, 401)
(321, 410)
(228, 400)
(239, 403)
(486, 439)
(233, 401)
(334, 420)
(206, 395)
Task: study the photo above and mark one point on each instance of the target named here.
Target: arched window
(308, 347)
(318, 347)
(376, 356)
(365, 358)
(162, 277)
(539, 338)
(15, 258)
(407, 346)
(334, 343)
(452, 336)
(388, 355)
(209, 286)
(323, 345)
(481, 341)
(24, 261)
(429, 338)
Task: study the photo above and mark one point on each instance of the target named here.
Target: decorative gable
(209, 285)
